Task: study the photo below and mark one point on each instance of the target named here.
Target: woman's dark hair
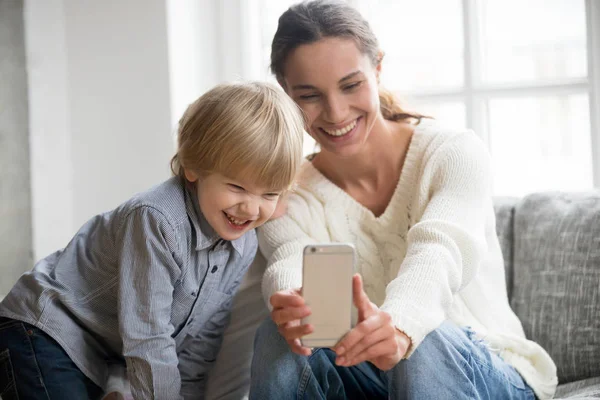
(310, 21)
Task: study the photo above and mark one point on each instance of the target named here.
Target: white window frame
(475, 94)
(592, 11)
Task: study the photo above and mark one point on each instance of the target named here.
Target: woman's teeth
(235, 221)
(343, 131)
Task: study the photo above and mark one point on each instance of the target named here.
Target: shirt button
(193, 293)
(214, 269)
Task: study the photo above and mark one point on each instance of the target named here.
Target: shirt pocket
(213, 314)
(204, 336)
(184, 297)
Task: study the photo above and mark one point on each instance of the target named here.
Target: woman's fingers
(386, 350)
(356, 334)
(287, 298)
(362, 330)
(361, 300)
(297, 348)
(294, 330)
(284, 315)
(381, 334)
(370, 318)
(288, 310)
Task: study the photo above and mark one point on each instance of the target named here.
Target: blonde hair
(247, 130)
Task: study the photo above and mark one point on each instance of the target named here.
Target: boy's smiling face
(233, 207)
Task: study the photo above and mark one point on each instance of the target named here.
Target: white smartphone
(327, 289)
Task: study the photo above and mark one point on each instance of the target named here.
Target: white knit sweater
(432, 255)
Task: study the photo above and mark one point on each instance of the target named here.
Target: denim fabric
(33, 366)
(449, 364)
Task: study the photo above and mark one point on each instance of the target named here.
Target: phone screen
(327, 290)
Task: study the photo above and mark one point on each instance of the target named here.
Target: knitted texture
(432, 255)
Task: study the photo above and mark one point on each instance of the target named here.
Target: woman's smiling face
(336, 87)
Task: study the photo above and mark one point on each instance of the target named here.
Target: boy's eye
(272, 196)
(236, 187)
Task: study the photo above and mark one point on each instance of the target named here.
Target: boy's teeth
(235, 221)
(343, 131)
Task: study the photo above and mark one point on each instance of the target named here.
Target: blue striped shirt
(148, 285)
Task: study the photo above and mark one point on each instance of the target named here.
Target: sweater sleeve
(447, 244)
(282, 241)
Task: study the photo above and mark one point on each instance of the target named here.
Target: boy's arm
(147, 272)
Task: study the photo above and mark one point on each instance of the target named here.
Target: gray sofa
(551, 247)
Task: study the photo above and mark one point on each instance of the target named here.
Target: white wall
(15, 193)
(108, 81)
(100, 109)
(194, 64)
(49, 136)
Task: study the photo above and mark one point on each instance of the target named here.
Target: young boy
(149, 285)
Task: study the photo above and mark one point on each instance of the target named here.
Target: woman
(415, 199)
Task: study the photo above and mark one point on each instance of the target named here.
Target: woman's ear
(190, 175)
(380, 55)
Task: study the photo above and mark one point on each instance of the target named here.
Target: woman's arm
(447, 245)
(282, 241)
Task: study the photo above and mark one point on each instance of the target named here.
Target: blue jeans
(448, 364)
(33, 366)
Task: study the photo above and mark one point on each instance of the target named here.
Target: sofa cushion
(585, 389)
(504, 207)
(557, 278)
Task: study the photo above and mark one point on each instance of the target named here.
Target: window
(523, 75)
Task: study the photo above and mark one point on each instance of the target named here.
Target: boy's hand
(288, 310)
(374, 338)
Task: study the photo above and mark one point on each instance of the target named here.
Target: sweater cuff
(411, 327)
(277, 279)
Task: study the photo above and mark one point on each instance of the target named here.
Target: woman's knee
(448, 340)
(275, 370)
(442, 360)
(270, 347)
(267, 336)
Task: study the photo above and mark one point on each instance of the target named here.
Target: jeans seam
(13, 383)
(304, 378)
(37, 365)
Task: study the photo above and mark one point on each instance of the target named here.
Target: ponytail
(391, 110)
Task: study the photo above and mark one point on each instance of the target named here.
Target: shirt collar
(206, 236)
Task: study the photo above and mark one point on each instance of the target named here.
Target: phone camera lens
(313, 249)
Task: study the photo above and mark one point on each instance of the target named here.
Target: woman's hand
(374, 338)
(288, 310)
